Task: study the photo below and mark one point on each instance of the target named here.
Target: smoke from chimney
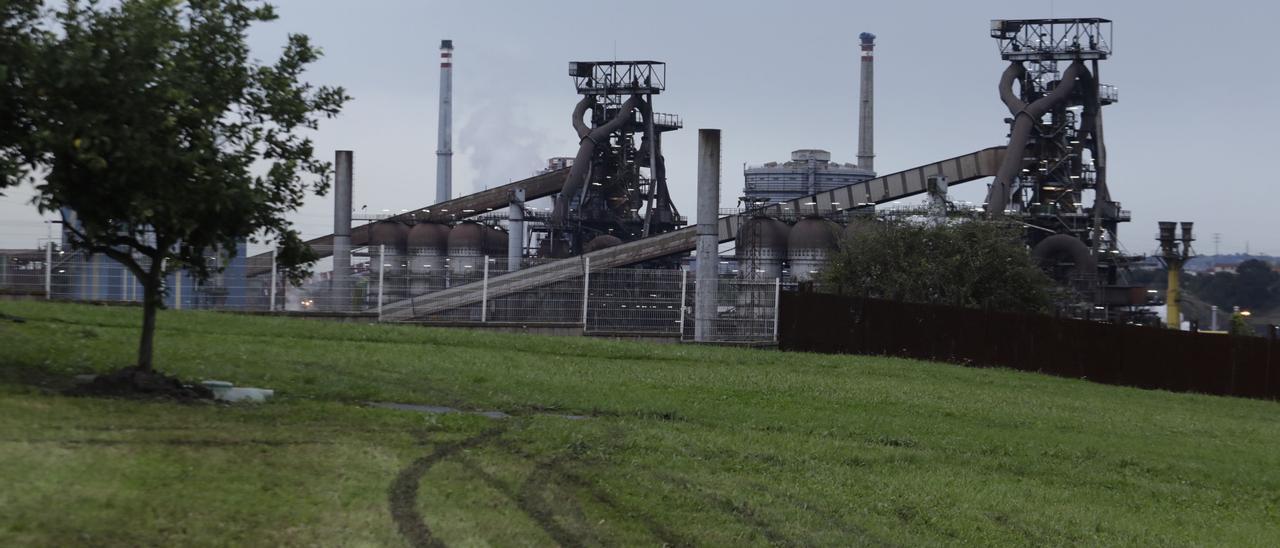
(444, 140)
(866, 111)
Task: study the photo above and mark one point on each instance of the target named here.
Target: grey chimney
(866, 112)
(444, 141)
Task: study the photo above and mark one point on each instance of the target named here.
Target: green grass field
(683, 445)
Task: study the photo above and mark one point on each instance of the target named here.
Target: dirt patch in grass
(134, 383)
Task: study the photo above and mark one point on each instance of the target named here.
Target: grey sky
(1190, 138)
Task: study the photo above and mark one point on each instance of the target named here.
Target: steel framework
(617, 185)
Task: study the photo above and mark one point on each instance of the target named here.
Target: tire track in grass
(555, 470)
(832, 519)
(745, 513)
(539, 513)
(402, 497)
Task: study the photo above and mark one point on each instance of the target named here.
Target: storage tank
(602, 241)
(810, 245)
(495, 247)
(393, 238)
(428, 248)
(466, 252)
(761, 248)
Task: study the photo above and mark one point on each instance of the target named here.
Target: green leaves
(149, 122)
(20, 37)
(973, 264)
(152, 112)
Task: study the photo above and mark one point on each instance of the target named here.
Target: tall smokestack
(444, 146)
(866, 113)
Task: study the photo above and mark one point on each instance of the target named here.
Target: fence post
(684, 284)
(177, 289)
(382, 267)
(586, 288)
(777, 297)
(272, 292)
(48, 271)
(484, 292)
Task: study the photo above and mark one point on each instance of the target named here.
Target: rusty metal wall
(1143, 357)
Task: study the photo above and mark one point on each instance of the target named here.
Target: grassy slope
(688, 445)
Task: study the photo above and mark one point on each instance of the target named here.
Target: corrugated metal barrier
(1143, 357)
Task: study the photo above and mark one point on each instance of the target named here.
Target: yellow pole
(1173, 295)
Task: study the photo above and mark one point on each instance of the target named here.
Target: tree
(972, 264)
(19, 37)
(1240, 327)
(167, 142)
(1256, 284)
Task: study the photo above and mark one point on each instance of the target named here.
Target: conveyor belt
(484, 201)
(894, 186)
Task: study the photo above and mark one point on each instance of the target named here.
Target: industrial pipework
(1056, 153)
(444, 139)
(1174, 257)
(617, 184)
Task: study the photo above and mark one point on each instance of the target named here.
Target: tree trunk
(150, 305)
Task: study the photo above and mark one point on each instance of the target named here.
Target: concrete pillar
(515, 230)
(341, 297)
(708, 255)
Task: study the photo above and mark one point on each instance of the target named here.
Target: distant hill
(1203, 263)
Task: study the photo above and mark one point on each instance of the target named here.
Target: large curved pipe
(1102, 193)
(580, 110)
(1015, 73)
(1024, 122)
(1053, 249)
(582, 162)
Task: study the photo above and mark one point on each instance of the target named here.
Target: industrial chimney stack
(444, 147)
(866, 113)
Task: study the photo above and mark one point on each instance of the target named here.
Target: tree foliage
(1240, 326)
(20, 34)
(1254, 285)
(973, 264)
(167, 141)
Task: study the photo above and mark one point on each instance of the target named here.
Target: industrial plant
(488, 256)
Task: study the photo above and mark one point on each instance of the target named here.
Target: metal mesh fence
(443, 290)
(635, 300)
(746, 311)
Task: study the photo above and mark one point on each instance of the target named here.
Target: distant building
(557, 163)
(810, 171)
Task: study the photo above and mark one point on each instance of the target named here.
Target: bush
(972, 264)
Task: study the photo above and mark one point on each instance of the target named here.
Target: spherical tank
(602, 241)
(495, 242)
(466, 250)
(809, 246)
(761, 248)
(428, 247)
(393, 237)
(390, 239)
(389, 233)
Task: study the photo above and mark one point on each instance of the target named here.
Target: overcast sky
(1190, 139)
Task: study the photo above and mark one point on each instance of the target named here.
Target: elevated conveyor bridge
(895, 186)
